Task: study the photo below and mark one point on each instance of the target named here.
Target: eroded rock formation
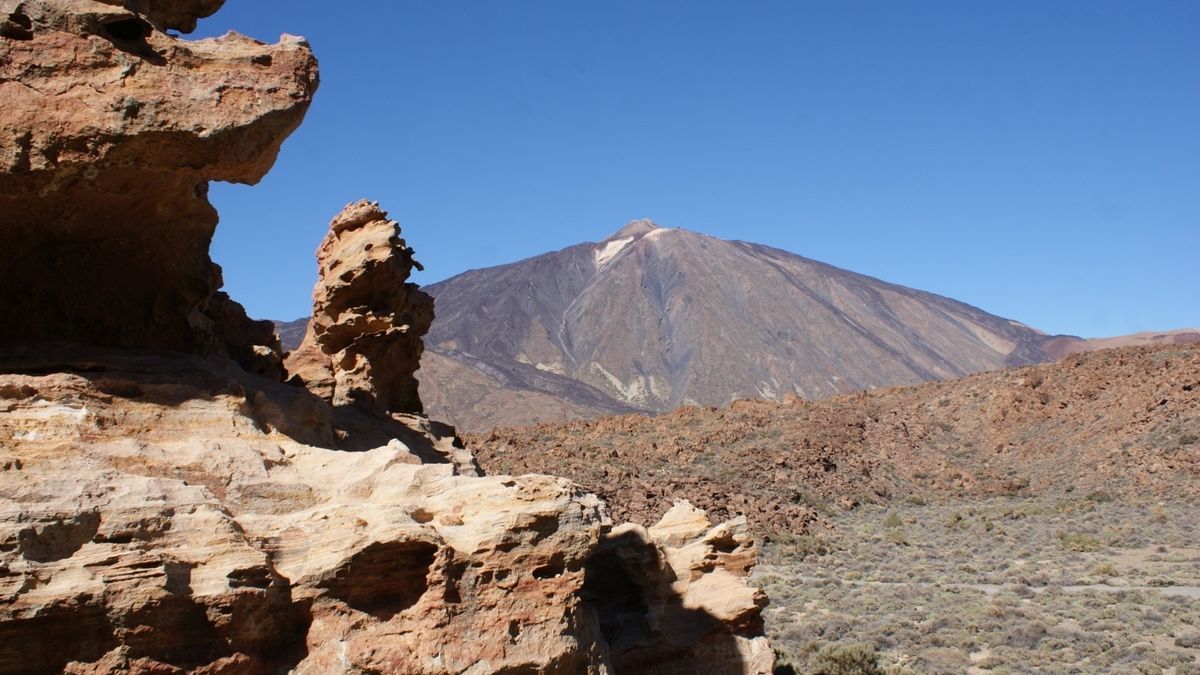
(165, 509)
(364, 342)
(110, 131)
(673, 598)
(155, 514)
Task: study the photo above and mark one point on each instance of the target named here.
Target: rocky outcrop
(364, 342)
(1123, 422)
(168, 504)
(163, 511)
(110, 131)
(673, 598)
(157, 512)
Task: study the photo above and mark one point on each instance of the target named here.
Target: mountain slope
(654, 318)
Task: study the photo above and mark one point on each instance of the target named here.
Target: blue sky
(1038, 160)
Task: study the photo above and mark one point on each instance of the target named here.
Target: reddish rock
(1120, 421)
(164, 511)
(110, 133)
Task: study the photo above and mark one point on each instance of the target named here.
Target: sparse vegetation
(847, 659)
(1015, 598)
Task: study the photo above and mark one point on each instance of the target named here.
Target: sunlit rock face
(110, 132)
(162, 511)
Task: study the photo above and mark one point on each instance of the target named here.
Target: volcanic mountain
(653, 318)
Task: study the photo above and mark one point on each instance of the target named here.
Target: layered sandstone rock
(110, 131)
(364, 342)
(157, 511)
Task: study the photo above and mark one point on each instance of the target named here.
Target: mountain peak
(634, 228)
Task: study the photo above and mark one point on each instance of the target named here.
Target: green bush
(847, 659)
(1079, 542)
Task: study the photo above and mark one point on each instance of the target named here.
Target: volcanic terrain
(1122, 421)
(654, 318)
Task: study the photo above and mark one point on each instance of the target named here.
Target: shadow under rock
(170, 379)
(643, 620)
(359, 431)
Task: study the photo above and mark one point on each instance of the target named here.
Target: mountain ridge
(661, 317)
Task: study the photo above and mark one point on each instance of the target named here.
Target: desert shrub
(807, 544)
(1188, 640)
(1079, 542)
(846, 659)
(893, 520)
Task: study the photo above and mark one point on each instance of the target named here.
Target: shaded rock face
(110, 132)
(672, 598)
(364, 343)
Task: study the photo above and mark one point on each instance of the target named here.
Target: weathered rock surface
(157, 511)
(110, 131)
(167, 504)
(673, 598)
(153, 514)
(364, 342)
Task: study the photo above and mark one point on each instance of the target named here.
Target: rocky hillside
(1118, 421)
(655, 318)
(174, 497)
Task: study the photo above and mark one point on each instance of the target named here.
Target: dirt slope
(1122, 421)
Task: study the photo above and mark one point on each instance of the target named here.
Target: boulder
(153, 516)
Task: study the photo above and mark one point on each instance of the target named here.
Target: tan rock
(673, 598)
(170, 510)
(152, 517)
(364, 342)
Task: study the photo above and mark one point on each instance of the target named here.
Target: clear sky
(1040, 160)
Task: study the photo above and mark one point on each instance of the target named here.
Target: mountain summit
(653, 318)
